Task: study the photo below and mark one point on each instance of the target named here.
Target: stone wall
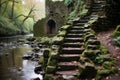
(55, 11)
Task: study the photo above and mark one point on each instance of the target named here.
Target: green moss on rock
(50, 69)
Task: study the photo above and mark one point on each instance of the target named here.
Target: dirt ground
(107, 40)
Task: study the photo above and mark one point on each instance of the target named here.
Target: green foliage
(116, 35)
(7, 27)
(79, 9)
(117, 31)
(15, 25)
(117, 40)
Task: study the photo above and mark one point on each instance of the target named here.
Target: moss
(48, 77)
(62, 33)
(57, 40)
(104, 72)
(79, 9)
(103, 50)
(52, 62)
(116, 33)
(41, 60)
(108, 64)
(39, 29)
(65, 27)
(50, 69)
(91, 54)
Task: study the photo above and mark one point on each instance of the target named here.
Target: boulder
(38, 69)
(89, 72)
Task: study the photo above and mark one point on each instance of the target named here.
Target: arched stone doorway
(51, 26)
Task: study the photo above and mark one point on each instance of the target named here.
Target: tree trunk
(0, 5)
(12, 13)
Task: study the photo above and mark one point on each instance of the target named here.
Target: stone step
(76, 31)
(93, 47)
(72, 50)
(77, 28)
(63, 66)
(79, 24)
(69, 39)
(93, 42)
(96, 10)
(68, 73)
(81, 21)
(73, 44)
(68, 57)
(74, 35)
(97, 5)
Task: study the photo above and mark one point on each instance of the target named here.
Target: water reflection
(13, 67)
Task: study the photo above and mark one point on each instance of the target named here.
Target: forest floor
(107, 40)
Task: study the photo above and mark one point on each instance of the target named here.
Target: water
(14, 38)
(13, 67)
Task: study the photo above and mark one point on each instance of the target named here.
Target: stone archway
(51, 26)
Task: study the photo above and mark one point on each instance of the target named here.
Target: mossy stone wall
(56, 11)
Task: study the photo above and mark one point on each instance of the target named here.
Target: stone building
(56, 12)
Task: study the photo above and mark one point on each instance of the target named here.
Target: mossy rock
(93, 42)
(91, 54)
(103, 49)
(106, 57)
(52, 62)
(108, 64)
(89, 71)
(89, 36)
(104, 72)
(50, 69)
(46, 53)
(61, 33)
(57, 40)
(41, 60)
(70, 22)
(93, 47)
(54, 54)
(84, 60)
(48, 77)
(65, 27)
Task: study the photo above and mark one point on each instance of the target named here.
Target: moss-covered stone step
(90, 36)
(93, 42)
(64, 66)
(68, 73)
(81, 21)
(76, 31)
(96, 7)
(96, 10)
(71, 50)
(79, 24)
(93, 47)
(68, 57)
(91, 54)
(73, 44)
(73, 35)
(88, 30)
(69, 39)
(77, 28)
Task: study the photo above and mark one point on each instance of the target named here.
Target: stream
(12, 66)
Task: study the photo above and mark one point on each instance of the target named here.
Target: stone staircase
(79, 41)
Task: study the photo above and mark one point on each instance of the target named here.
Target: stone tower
(56, 12)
